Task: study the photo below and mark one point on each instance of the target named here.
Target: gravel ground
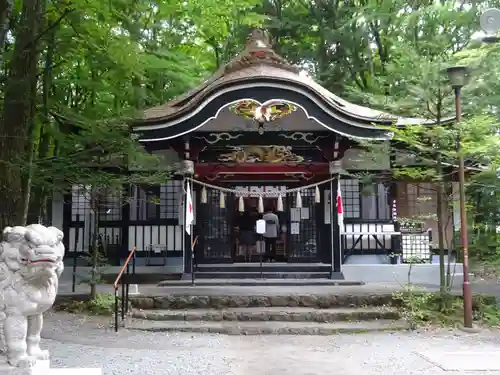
(90, 342)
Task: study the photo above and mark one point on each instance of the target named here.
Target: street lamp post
(458, 76)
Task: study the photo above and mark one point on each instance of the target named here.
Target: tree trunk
(19, 113)
(95, 254)
(440, 225)
(5, 14)
(440, 216)
(38, 206)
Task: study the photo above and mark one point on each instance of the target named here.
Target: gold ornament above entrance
(266, 112)
(260, 154)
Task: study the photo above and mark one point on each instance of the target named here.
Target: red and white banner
(189, 209)
(340, 207)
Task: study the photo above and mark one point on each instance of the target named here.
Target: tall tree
(20, 99)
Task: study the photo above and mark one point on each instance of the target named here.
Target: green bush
(485, 246)
(419, 307)
(102, 304)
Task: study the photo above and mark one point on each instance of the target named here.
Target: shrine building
(258, 136)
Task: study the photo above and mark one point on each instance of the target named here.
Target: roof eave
(217, 85)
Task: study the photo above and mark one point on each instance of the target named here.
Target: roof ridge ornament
(258, 50)
(258, 38)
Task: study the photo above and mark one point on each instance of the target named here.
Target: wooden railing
(125, 270)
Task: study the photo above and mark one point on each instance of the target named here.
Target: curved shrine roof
(260, 66)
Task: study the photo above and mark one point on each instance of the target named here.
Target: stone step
(266, 328)
(304, 314)
(202, 301)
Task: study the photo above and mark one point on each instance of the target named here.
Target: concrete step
(187, 281)
(266, 266)
(141, 277)
(295, 314)
(255, 274)
(266, 328)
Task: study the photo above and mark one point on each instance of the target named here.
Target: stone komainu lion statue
(31, 262)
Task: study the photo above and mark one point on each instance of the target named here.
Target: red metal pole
(467, 291)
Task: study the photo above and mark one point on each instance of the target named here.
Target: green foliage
(407, 77)
(101, 155)
(489, 315)
(97, 258)
(98, 64)
(105, 61)
(414, 305)
(485, 245)
(420, 308)
(484, 207)
(101, 304)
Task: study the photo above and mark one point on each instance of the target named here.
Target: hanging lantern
(298, 201)
(204, 195)
(317, 195)
(222, 200)
(241, 204)
(279, 205)
(260, 207)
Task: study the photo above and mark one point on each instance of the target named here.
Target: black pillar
(187, 171)
(392, 196)
(66, 224)
(123, 253)
(324, 226)
(187, 237)
(336, 238)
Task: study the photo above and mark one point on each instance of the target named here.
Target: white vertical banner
(340, 207)
(340, 221)
(189, 216)
(327, 204)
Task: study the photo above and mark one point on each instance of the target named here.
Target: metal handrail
(122, 271)
(125, 287)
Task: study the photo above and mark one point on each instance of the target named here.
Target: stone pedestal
(43, 368)
(31, 262)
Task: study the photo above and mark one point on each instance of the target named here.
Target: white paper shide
(31, 262)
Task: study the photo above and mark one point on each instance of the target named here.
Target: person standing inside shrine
(247, 235)
(271, 234)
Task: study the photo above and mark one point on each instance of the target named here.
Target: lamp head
(490, 21)
(458, 76)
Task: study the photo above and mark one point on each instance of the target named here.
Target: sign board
(294, 214)
(260, 227)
